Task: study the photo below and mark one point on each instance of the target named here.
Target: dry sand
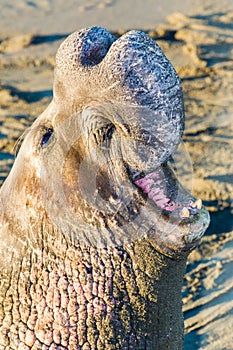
(199, 43)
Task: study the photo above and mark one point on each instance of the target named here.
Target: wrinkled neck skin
(61, 296)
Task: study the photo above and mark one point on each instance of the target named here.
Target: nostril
(96, 44)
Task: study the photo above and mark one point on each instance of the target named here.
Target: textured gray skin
(86, 266)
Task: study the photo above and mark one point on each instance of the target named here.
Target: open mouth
(165, 191)
(182, 218)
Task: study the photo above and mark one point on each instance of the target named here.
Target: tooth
(185, 213)
(197, 204)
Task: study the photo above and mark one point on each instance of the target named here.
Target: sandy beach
(197, 36)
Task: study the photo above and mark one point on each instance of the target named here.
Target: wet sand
(199, 42)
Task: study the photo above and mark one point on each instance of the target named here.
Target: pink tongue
(154, 186)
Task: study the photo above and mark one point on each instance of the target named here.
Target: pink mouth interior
(155, 186)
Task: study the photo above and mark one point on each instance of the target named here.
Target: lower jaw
(185, 235)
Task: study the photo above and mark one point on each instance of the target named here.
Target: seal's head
(95, 163)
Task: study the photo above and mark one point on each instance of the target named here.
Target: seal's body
(95, 228)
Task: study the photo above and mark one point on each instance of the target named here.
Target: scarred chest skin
(93, 299)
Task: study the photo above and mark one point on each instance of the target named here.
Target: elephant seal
(95, 227)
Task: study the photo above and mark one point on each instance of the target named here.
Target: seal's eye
(46, 137)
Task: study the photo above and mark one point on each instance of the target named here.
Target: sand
(197, 36)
